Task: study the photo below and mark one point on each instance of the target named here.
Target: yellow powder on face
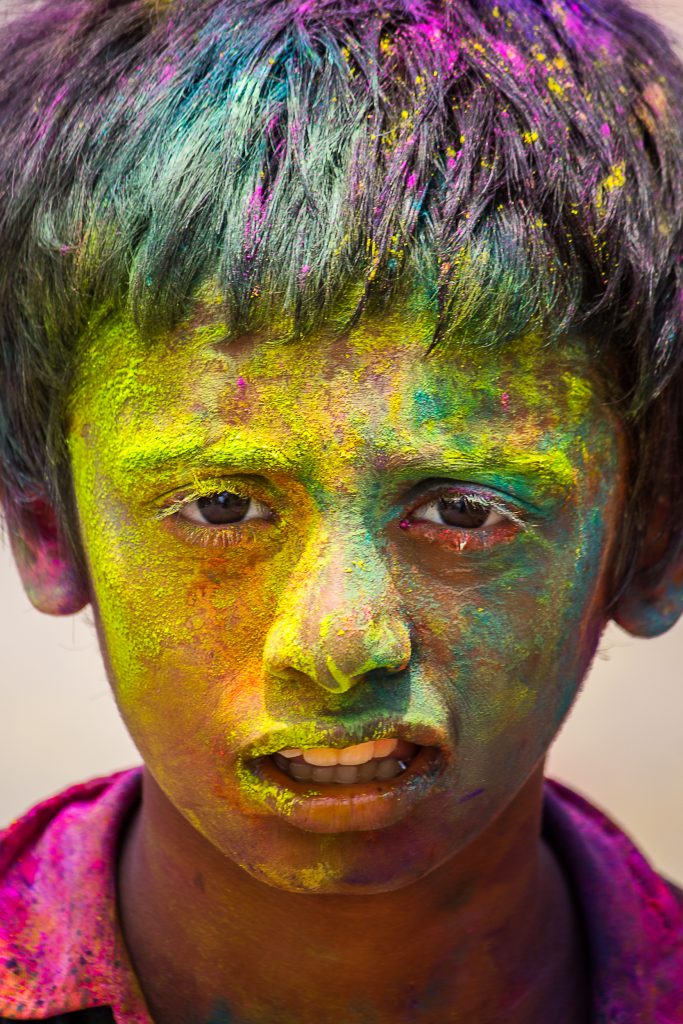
(196, 627)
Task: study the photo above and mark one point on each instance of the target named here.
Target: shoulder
(57, 894)
(632, 917)
(95, 1015)
(676, 892)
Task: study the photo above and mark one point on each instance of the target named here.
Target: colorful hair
(518, 163)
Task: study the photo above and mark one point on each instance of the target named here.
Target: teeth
(366, 772)
(347, 773)
(327, 757)
(385, 747)
(321, 756)
(387, 768)
(380, 769)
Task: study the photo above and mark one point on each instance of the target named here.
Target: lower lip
(329, 808)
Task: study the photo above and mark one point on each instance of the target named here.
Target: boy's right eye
(224, 508)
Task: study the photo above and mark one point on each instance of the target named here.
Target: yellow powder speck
(405, 114)
(462, 138)
(616, 179)
(579, 394)
(450, 151)
(496, 12)
(530, 137)
(555, 86)
(314, 878)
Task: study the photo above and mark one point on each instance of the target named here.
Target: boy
(343, 376)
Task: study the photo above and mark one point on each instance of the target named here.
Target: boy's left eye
(462, 511)
(223, 509)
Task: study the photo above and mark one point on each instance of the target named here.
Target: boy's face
(453, 514)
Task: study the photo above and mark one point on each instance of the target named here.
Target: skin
(215, 637)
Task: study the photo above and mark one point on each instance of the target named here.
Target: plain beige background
(622, 746)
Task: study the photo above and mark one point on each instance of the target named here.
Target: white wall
(622, 747)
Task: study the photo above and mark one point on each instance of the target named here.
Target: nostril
(393, 670)
(289, 675)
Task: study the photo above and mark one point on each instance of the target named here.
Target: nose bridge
(340, 616)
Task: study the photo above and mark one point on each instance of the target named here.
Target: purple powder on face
(470, 796)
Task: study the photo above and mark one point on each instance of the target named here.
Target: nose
(339, 617)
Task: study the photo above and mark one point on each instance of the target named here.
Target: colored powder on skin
(470, 796)
(134, 380)
(193, 625)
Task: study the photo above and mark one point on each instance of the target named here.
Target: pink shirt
(61, 948)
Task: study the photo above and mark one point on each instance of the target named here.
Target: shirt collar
(60, 942)
(633, 922)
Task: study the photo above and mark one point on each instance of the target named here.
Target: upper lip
(343, 734)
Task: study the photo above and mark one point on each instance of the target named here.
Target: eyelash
(227, 536)
(245, 534)
(477, 499)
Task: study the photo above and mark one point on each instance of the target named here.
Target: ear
(648, 609)
(53, 581)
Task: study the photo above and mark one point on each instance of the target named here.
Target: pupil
(225, 507)
(463, 512)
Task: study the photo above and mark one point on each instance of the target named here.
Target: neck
(488, 936)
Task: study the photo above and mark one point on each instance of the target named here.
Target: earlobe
(647, 610)
(53, 581)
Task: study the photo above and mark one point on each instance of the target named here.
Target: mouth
(374, 760)
(357, 786)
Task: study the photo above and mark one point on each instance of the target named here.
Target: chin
(350, 863)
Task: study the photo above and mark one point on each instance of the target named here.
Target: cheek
(175, 618)
(513, 639)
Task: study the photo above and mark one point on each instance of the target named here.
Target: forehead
(373, 393)
(383, 358)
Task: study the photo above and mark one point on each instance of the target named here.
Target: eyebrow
(237, 450)
(550, 467)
